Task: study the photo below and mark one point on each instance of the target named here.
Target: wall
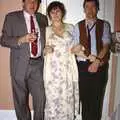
(6, 101)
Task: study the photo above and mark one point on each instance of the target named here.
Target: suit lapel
(39, 20)
(22, 19)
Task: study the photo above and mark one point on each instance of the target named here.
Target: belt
(38, 58)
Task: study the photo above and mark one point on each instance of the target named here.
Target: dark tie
(89, 36)
(34, 46)
(89, 39)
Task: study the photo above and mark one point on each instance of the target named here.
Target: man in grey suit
(26, 64)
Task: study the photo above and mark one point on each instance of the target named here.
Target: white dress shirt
(37, 29)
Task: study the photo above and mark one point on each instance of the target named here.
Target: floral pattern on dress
(61, 77)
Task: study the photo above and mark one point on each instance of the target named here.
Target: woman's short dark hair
(54, 5)
(39, 1)
(95, 1)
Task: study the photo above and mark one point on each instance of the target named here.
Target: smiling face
(30, 6)
(90, 10)
(56, 14)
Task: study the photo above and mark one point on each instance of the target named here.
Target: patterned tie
(34, 46)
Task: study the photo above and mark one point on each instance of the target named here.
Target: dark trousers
(91, 90)
(32, 84)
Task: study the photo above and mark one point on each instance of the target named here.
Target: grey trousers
(32, 84)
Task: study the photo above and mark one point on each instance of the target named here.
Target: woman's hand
(77, 49)
(48, 49)
(81, 54)
(92, 58)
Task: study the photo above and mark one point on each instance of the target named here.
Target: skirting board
(8, 115)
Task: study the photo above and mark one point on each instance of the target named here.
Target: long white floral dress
(61, 77)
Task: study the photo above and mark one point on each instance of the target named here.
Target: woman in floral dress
(60, 68)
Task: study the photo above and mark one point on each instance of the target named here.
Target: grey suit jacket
(14, 27)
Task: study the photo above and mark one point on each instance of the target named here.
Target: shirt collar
(27, 15)
(90, 22)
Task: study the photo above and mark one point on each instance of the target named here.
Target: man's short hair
(39, 1)
(95, 1)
